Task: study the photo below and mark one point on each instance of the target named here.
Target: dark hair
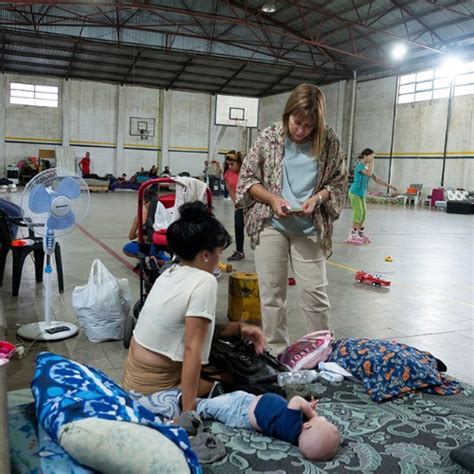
(307, 100)
(366, 152)
(234, 156)
(196, 229)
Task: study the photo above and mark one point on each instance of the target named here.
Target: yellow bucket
(244, 297)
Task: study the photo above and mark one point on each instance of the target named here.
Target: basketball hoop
(240, 123)
(242, 141)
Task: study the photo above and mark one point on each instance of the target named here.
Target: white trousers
(308, 262)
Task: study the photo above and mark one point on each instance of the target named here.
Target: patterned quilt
(409, 435)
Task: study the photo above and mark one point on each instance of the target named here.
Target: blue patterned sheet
(391, 369)
(66, 391)
(32, 450)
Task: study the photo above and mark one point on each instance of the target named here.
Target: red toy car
(374, 280)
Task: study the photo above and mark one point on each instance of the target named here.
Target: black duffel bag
(252, 372)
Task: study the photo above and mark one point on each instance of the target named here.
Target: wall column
(166, 130)
(66, 112)
(341, 89)
(122, 130)
(3, 126)
(392, 136)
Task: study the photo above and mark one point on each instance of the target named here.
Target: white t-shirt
(179, 292)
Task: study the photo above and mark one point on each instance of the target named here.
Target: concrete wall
(95, 117)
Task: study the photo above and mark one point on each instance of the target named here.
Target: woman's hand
(391, 186)
(310, 205)
(255, 335)
(278, 205)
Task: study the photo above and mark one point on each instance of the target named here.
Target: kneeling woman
(173, 336)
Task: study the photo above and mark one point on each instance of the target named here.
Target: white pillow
(121, 447)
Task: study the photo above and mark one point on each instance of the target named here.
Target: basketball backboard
(142, 127)
(234, 111)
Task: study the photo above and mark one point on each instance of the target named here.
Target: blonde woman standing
(292, 187)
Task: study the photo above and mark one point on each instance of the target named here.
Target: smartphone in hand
(292, 210)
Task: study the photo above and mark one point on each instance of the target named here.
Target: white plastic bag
(102, 305)
(163, 217)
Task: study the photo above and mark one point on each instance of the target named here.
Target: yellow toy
(225, 267)
(388, 259)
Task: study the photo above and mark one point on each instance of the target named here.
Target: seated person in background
(132, 248)
(142, 172)
(166, 171)
(85, 165)
(153, 173)
(295, 421)
(172, 339)
(122, 178)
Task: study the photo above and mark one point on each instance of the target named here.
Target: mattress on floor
(32, 450)
(384, 199)
(96, 182)
(414, 434)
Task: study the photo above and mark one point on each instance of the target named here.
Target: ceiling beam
(418, 19)
(132, 65)
(71, 60)
(176, 77)
(280, 31)
(236, 73)
(280, 79)
(54, 43)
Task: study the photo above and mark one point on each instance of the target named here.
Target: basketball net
(242, 139)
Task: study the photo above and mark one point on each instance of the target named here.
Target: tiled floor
(429, 305)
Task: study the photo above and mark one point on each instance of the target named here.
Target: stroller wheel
(128, 327)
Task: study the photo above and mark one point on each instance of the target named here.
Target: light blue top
(361, 181)
(300, 173)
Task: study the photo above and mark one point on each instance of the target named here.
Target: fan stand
(37, 331)
(47, 330)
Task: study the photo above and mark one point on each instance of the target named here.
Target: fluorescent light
(268, 7)
(399, 51)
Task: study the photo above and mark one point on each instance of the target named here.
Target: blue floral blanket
(66, 391)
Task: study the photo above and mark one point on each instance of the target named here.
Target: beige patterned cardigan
(264, 165)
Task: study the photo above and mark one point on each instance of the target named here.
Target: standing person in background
(233, 160)
(214, 174)
(85, 165)
(224, 171)
(364, 170)
(292, 186)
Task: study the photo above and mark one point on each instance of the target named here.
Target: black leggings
(239, 230)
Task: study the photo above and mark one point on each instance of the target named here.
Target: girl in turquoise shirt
(364, 170)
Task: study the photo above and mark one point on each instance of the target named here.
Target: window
(32, 94)
(435, 84)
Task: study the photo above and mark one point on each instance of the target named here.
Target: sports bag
(308, 351)
(252, 372)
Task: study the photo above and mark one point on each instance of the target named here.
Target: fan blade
(40, 199)
(69, 187)
(60, 223)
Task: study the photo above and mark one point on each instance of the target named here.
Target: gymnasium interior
(177, 83)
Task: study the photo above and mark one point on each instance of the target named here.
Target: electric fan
(53, 203)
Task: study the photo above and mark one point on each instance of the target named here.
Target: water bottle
(297, 377)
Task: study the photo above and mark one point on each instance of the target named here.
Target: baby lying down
(295, 421)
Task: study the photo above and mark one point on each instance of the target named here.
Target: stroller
(149, 271)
